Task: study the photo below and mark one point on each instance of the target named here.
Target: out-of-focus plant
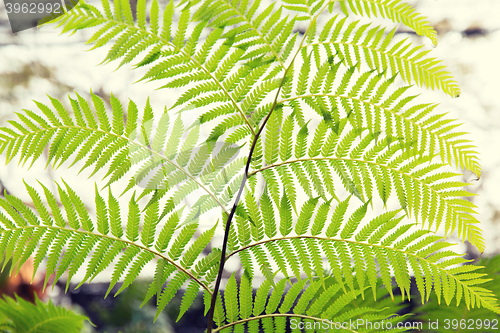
(21, 316)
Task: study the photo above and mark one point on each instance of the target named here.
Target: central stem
(226, 236)
(246, 175)
(233, 210)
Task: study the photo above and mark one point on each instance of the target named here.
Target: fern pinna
(309, 131)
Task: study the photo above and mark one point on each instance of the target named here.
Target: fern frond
(253, 72)
(266, 32)
(395, 10)
(351, 252)
(378, 52)
(306, 304)
(180, 58)
(65, 245)
(306, 9)
(376, 164)
(369, 104)
(159, 160)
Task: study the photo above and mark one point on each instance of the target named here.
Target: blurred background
(38, 62)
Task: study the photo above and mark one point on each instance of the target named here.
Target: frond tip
(361, 43)
(395, 10)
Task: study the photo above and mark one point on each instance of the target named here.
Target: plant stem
(224, 243)
(233, 210)
(245, 177)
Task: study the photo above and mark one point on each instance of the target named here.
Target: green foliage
(327, 133)
(477, 319)
(349, 249)
(20, 316)
(103, 241)
(304, 303)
